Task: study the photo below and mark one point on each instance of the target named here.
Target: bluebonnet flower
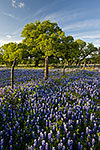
(99, 138)
(46, 146)
(21, 139)
(11, 147)
(79, 145)
(41, 135)
(41, 107)
(93, 141)
(35, 142)
(74, 136)
(58, 134)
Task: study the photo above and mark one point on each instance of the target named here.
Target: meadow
(61, 113)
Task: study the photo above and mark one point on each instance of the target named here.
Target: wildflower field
(61, 113)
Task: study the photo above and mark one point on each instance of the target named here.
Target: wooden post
(46, 68)
(12, 73)
(64, 69)
(84, 64)
(94, 64)
(88, 65)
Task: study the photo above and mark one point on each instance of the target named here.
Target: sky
(78, 18)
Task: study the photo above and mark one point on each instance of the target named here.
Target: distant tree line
(43, 40)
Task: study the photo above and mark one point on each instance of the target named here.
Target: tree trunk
(46, 68)
(76, 63)
(79, 64)
(36, 63)
(94, 64)
(84, 64)
(88, 64)
(12, 74)
(68, 63)
(64, 69)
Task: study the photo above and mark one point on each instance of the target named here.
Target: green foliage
(42, 38)
(69, 49)
(85, 50)
(12, 50)
(81, 44)
(1, 56)
(95, 56)
(21, 52)
(8, 51)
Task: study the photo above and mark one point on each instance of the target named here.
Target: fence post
(46, 68)
(84, 64)
(12, 73)
(64, 69)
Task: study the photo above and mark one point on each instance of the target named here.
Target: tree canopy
(8, 51)
(12, 50)
(85, 49)
(43, 39)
